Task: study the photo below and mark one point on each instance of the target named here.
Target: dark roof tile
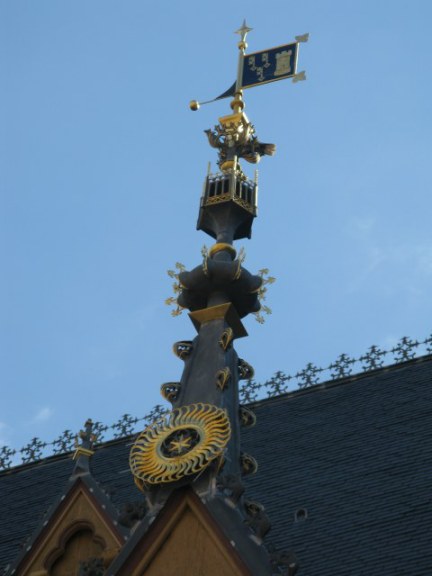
(356, 454)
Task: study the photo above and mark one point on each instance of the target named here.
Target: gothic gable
(184, 539)
(77, 531)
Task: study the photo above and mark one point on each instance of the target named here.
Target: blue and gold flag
(270, 65)
(264, 67)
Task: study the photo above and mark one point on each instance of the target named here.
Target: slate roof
(355, 454)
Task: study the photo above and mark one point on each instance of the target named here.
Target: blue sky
(101, 169)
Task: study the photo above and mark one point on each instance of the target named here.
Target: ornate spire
(198, 442)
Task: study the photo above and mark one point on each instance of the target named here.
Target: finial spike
(244, 30)
(84, 450)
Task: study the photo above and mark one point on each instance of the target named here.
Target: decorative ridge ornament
(84, 450)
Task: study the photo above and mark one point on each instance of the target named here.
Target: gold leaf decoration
(266, 279)
(172, 301)
(181, 443)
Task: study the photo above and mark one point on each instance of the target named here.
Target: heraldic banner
(269, 65)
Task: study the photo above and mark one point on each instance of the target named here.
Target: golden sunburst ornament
(181, 443)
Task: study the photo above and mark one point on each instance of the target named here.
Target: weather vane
(234, 136)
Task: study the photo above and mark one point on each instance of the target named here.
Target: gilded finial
(243, 31)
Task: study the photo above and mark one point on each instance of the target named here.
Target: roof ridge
(251, 392)
(342, 380)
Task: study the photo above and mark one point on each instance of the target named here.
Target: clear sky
(101, 170)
